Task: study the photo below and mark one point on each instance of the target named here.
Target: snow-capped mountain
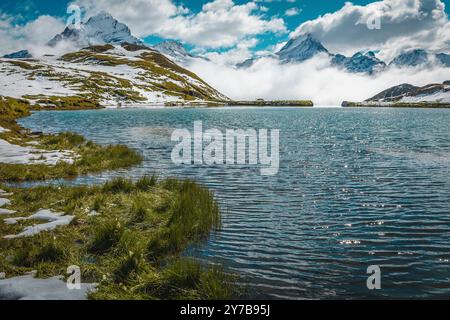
(104, 74)
(412, 58)
(294, 51)
(360, 62)
(110, 66)
(406, 93)
(174, 50)
(98, 30)
(306, 47)
(247, 63)
(23, 54)
(394, 93)
(443, 59)
(301, 49)
(420, 58)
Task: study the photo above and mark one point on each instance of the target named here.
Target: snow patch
(28, 287)
(2, 130)
(55, 219)
(16, 82)
(438, 97)
(14, 154)
(4, 202)
(6, 212)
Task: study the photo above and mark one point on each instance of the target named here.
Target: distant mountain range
(105, 29)
(305, 47)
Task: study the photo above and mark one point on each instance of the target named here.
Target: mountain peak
(172, 45)
(360, 62)
(102, 15)
(100, 29)
(432, 93)
(175, 50)
(411, 58)
(420, 58)
(301, 48)
(368, 54)
(22, 54)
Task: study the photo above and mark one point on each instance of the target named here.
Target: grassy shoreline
(90, 157)
(125, 236)
(131, 246)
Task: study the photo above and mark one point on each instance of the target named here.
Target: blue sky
(311, 9)
(28, 10)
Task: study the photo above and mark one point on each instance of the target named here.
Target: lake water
(356, 187)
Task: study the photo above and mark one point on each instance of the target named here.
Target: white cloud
(314, 79)
(404, 24)
(220, 23)
(293, 12)
(233, 56)
(142, 16)
(31, 36)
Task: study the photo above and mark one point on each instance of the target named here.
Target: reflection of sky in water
(356, 187)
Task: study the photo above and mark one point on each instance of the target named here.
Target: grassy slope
(157, 72)
(92, 157)
(132, 249)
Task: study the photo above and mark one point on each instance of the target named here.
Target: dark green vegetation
(131, 246)
(88, 156)
(12, 109)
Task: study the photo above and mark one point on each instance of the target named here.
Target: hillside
(107, 74)
(405, 95)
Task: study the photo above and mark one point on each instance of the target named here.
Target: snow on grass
(4, 201)
(2, 130)
(28, 287)
(17, 82)
(55, 219)
(6, 212)
(15, 154)
(438, 97)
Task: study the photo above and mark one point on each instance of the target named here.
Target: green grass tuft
(119, 185)
(106, 236)
(193, 214)
(146, 183)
